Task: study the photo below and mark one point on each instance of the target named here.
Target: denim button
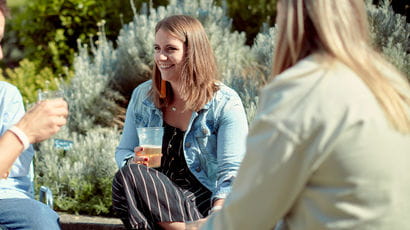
(198, 169)
(187, 144)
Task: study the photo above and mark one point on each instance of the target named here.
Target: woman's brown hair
(199, 72)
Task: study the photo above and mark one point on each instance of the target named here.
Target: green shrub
(29, 79)
(249, 15)
(72, 175)
(49, 29)
(80, 178)
(391, 33)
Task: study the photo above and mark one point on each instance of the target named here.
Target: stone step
(81, 222)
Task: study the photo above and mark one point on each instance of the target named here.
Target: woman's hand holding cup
(139, 158)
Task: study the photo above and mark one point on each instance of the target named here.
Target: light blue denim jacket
(214, 143)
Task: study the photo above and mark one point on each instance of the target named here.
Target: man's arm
(10, 148)
(40, 123)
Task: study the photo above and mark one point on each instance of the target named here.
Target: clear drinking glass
(47, 95)
(60, 142)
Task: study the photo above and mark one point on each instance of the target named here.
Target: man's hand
(44, 119)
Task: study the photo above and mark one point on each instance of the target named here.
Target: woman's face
(169, 55)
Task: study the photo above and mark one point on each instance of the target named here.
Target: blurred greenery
(250, 15)
(29, 78)
(399, 6)
(15, 3)
(81, 181)
(50, 30)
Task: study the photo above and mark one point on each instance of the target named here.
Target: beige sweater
(320, 155)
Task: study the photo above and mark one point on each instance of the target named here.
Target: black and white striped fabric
(143, 196)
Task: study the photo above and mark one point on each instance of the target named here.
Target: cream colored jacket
(320, 155)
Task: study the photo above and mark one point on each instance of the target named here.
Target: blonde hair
(199, 72)
(338, 29)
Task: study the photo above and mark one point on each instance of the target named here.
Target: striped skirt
(143, 197)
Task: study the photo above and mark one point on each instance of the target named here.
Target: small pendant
(173, 108)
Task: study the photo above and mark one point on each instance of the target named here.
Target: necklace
(173, 108)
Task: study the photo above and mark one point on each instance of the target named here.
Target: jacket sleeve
(231, 139)
(129, 139)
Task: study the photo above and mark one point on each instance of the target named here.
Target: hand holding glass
(60, 141)
(150, 139)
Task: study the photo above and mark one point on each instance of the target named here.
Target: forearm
(10, 148)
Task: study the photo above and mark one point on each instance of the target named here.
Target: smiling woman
(205, 128)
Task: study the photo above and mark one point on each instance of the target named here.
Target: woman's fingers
(138, 157)
(138, 150)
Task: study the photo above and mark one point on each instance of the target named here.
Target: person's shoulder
(318, 89)
(225, 91)
(146, 85)
(143, 88)
(8, 89)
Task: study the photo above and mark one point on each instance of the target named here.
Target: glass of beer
(150, 138)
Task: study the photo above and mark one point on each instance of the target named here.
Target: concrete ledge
(80, 222)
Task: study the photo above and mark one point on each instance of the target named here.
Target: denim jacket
(214, 142)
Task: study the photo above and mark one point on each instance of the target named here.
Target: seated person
(204, 139)
(18, 130)
(332, 131)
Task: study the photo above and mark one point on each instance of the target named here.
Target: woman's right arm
(129, 140)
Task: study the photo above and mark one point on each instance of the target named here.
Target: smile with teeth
(165, 66)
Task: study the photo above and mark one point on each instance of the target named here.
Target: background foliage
(46, 34)
(391, 35)
(49, 29)
(105, 71)
(29, 79)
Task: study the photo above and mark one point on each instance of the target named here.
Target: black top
(174, 166)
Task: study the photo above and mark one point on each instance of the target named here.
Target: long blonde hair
(199, 72)
(338, 29)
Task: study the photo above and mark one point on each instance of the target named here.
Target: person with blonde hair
(205, 129)
(330, 142)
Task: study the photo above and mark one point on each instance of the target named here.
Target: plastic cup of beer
(150, 138)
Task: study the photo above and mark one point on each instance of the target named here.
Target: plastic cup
(150, 138)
